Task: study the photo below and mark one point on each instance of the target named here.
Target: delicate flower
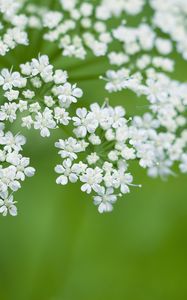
(61, 116)
(68, 94)
(44, 121)
(7, 204)
(41, 66)
(91, 179)
(85, 122)
(68, 172)
(105, 199)
(106, 174)
(69, 148)
(11, 79)
(104, 139)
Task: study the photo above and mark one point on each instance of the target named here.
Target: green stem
(55, 55)
(84, 63)
(85, 78)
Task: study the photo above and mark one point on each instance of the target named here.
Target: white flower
(34, 107)
(42, 67)
(60, 77)
(11, 79)
(126, 152)
(69, 148)
(51, 19)
(8, 179)
(97, 150)
(8, 112)
(85, 122)
(26, 69)
(22, 165)
(68, 172)
(92, 178)
(118, 114)
(92, 158)
(147, 121)
(117, 80)
(99, 48)
(12, 95)
(103, 137)
(105, 199)
(27, 122)
(12, 142)
(13, 169)
(68, 94)
(28, 94)
(49, 101)
(118, 58)
(183, 164)
(162, 168)
(3, 48)
(61, 116)
(7, 204)
(44, 121)
(113, 155)
(125, 179)
(95, 139)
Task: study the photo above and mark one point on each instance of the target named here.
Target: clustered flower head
(39, 93)
(79, 27)
(102, 134)
(14, 168)
(160, 136)
(104, 140)
(170, 17)
(12, 26)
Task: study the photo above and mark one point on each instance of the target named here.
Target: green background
(60, 248)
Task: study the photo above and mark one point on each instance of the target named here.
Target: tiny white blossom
(7, 204)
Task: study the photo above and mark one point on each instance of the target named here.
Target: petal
(13, 210)
(73, 177)
(62, 180)
(30, 171)
(59, 169)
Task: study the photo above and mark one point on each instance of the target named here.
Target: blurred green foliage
(60, 248)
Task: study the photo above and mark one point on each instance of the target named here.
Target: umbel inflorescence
(102, 140)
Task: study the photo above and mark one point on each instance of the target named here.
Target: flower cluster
(79, 27)
(166, 97)
(12, 26)
(158, 150)
(136, 56)
(160, 135)
(98, 155)
(109, 142)
(136, 44)
(39, 93)
(170, 17)
(14, 168)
